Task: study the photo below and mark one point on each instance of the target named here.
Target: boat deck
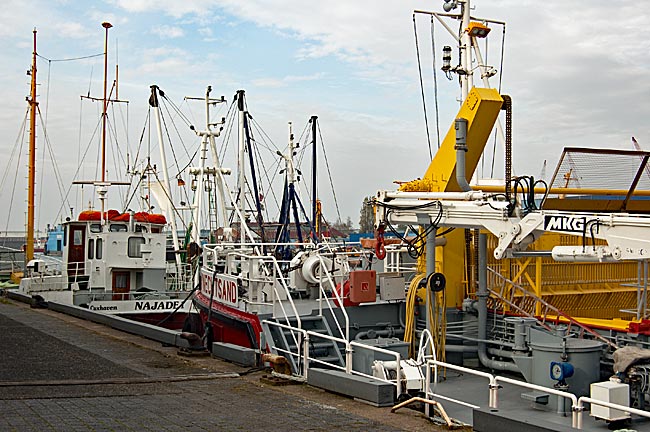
(474, 390)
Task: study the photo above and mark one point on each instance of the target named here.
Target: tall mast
(242, 166)
(153, 101)
(207, 138)
(33, 105)
(466, 76)
(106, 25)
(314, 203)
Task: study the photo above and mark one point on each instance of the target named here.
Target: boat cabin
(111, 259)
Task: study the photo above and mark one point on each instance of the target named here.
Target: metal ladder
(212, 204)
(527, 304)
(282, 341)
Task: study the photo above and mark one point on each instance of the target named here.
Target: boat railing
(134, 295)
(398, 365)
(395, 260)
(323, 295)
(577, 404)
(180, 277)
(276, 275)
(350, 346)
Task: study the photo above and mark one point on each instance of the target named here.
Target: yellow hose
(437, 317)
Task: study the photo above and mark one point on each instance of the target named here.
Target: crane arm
(481, 110)
(627, 236)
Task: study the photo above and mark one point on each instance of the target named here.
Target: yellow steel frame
(481, 110)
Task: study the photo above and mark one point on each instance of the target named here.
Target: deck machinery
(532, 277)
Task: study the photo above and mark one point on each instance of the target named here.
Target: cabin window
(78, 238)
(155, 230)
(95, 228)
(118, 228)
(140, 228)
(135, 247)
(98, 250)
(91, 249)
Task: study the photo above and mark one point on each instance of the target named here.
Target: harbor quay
(59, 373)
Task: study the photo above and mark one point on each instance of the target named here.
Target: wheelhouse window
(91, 249)
(118, 228)
(98, 248)
(78, 238)
(95, 228)
(140, 228)
(135, 247)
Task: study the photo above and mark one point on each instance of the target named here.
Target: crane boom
(627, 236)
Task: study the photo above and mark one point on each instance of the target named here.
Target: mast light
(477, 29)
(446, 58)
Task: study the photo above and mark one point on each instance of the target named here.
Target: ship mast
(465, 71)
(102, 190)
(33, 106)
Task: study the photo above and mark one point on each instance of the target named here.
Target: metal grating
(589, 168)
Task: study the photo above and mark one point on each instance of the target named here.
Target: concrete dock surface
(60, 373)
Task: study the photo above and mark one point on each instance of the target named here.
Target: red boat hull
(227, 324)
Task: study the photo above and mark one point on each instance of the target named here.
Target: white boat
(112, 262)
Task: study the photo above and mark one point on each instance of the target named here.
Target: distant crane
(638, 147)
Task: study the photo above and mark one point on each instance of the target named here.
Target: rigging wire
(69, 59)
(424, 104)
(259, 161)
(229, 127)
(267, 141)
(13, 189)
(47, 92)
(57, 173)
(301, 157)
(435, 80)
(81, 105)
(178, 133)
(114, 145)
(503, 43)
(19, 140)
(21, 135)
(175, 108)
(79, 166)
(169, 139)
(329, 173)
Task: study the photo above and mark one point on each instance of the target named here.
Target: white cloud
(168, 32)
(287, 80)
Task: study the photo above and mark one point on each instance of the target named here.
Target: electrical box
(363, 286)
(613, 392)
(392, 288)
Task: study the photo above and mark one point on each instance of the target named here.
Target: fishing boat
(475, 301)
(114, 262)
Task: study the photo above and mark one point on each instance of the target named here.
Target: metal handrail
(579, 408)
(277, 270)
(556, 392)
(546, 307)
(305, 340)
(493, 401)
(331, 280)
(348, 350)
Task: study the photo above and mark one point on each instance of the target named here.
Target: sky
(577, 72)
